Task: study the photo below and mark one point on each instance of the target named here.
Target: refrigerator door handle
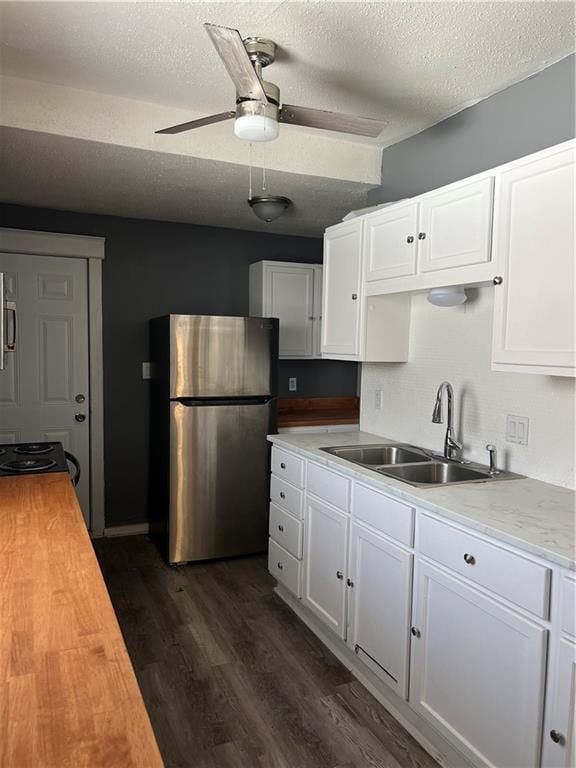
(2, 323)
(191, 402)
(11, 345)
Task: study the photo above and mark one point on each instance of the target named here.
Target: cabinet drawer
(286, 495)
(568, 603)
(383, 513)
(328, 485)
(286, 530)
(288, 467)
(284, 567)
(511, 576)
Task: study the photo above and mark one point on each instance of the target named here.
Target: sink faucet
(452, 448)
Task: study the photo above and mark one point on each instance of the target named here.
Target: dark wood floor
(230, 676)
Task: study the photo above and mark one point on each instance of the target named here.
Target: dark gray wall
(536, 113)
(153, 268)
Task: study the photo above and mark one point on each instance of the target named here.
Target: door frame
(50, 244)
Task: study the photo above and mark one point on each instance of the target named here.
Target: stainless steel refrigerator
(213, 403)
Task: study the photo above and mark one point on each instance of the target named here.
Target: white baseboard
(434, 743)
(138, 529)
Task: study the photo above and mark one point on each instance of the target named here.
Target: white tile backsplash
(455, 344)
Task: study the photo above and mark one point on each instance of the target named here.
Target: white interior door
(44, 389)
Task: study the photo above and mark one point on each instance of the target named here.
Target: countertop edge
(389, 486)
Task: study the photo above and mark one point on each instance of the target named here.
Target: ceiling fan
(258, 110)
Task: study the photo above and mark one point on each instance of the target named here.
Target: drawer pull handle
(556, 737)
(282, 465)
(280, 566)
(416, 632)
(281, 528)
(282, 495)
(469, 559)
(339, 575)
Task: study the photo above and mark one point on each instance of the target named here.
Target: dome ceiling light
(270, 207)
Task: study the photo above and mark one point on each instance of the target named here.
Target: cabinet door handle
(339, 575)
(556, 737)
(282, 465)
(497, 280)
(410, 239)
(281, 528)
(280, 566)
(354, 296)
(469, 559)
(421, 235)
(282, 495)
(349, 583)
(416, 632)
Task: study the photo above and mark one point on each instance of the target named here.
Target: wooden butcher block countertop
(68, 693)
(318, 411)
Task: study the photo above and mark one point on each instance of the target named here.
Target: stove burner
(28, 465)
(32, 449)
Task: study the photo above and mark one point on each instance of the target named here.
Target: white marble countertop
(531, 515)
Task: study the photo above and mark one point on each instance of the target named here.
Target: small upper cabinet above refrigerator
(292, 292)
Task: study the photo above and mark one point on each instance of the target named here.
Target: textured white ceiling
(410, 64)
(71, 174)
(85, 84)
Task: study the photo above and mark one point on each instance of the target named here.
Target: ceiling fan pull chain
(250, 171)
(264, 168)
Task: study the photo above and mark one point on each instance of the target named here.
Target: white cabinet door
(325, 550)
(456, 226)
(560, 736)
(342, 291)
(390, 241)
(379, 606)
(534, 247)
(477, 672)
(317, 314)
(289, 296)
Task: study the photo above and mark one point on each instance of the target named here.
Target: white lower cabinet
(325, 563)
(560, 736)
(379, 606)
(478, 671)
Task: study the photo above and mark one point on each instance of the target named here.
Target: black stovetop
(31, 458)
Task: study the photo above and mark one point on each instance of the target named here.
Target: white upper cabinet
(534, 323)
(379, 606)
(342, 306)
(390, 241)
(455, 228)
(478, 671)
(293, 294)
(354, 327)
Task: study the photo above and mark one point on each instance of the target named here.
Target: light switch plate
(378, 399)
(517, 429)
(146, 371)
(292, 384)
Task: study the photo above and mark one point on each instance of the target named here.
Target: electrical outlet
(292, 384)
(378, 399)
(146, 371)
(517, 429)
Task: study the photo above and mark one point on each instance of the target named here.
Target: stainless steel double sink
(414, 465)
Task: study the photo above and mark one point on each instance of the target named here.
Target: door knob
(556, 736)
(415, 631)
(80, 417)
(410, 239)
(339, 575)
(80, 398)
(421, 235)
(497, 280)
(354, 296)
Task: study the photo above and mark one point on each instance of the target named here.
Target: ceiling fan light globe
(256, 128)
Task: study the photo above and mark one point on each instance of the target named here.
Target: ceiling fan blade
(330, 121)
(198, 123)
(231, 50)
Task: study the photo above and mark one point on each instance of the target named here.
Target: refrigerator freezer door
(222, 356)
(218, 480)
